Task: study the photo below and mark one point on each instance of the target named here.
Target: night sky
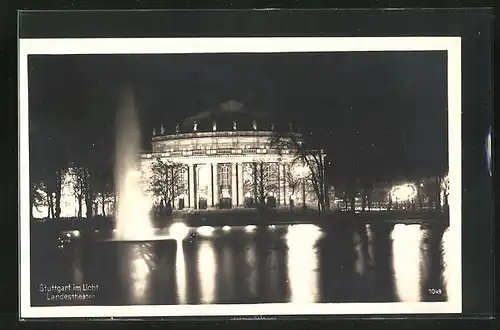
(385, 112)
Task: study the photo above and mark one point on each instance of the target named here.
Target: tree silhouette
(167, 180)
(79, 181)
(38, 197)
(307, 152)
(261, 178)
(292, 180)
(102, 187)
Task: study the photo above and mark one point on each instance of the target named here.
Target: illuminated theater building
(219, 150)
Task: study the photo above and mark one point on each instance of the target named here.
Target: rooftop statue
(195, 126)
(162, 130)
(177, 128)
(254, 124)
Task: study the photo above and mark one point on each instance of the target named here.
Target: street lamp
(403, 193)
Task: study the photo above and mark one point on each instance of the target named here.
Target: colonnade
(223, 183)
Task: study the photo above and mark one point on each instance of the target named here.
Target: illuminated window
(225, 176)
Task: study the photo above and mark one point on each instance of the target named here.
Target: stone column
(185, 194)
(215, 185)
(241, 197)
(234, 190)
(192, 186)
(279, 174)
(285, 196)
(210, 189)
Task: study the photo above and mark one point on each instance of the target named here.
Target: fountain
(133, 220)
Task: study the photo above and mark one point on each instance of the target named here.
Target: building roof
(228, 116)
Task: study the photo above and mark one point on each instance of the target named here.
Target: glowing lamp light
(76, 233)
(226, 228)
(404, 192)
(272, 227)
(178, 231)
(300, 171)
(205, 231)
(250, 228)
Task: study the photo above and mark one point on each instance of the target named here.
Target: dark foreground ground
(356, 261)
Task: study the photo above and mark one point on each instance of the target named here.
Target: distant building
(226, 156)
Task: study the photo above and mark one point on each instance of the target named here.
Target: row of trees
(86, 187)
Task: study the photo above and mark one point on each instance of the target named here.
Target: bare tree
(292, 180)
(43, 195)
(38, 197)
(167, 180)
(60, 174)
(106, 195)
(79, 177)
(304, 152)
(261, 178)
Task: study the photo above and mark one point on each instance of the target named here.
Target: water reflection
(303, 262)
(273, 271)
(226, 280)
(206, 271)
(180, 272)
(299, 264)
(406, 261)
(360, 255)
(77, 266)
(251, 268)
(137, 266)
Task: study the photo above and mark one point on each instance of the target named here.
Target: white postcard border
(243, 45)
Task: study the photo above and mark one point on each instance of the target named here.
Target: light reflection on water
(360, 264)
(303, 263)
(180, 273)
(207, 266)
(278, 265)
(138, 271)
(272, 269)
(406, 261)
(227, 273)
(251, 262)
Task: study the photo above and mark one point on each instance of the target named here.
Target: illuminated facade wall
(218, 167)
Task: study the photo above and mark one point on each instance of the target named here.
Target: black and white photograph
(240, 176)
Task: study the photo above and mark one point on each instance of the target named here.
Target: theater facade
(228, 161)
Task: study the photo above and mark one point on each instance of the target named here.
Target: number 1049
(435, 291)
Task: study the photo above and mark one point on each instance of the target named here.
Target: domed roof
(228, 116)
